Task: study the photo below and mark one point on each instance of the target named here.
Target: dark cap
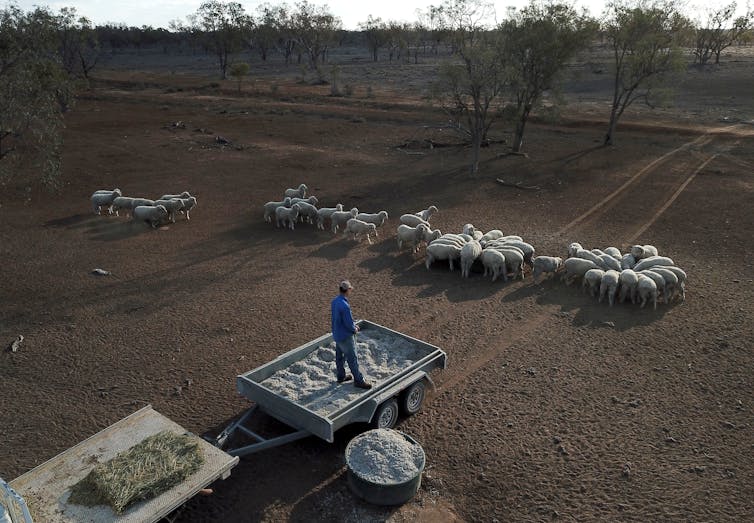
(345, 285)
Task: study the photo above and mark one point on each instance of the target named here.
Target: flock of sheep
(154, 212)
(639, 275)
(296, 207)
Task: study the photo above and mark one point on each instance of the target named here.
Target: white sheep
(287, 215)
(627, 261)
(103, 198)
(378, 219)
(647, 290)
(653, 261)
(592, 281)
(153, 215)
(188, 204)
(184, 194)
(643, 251)
(312, 200)
(450, 239)
(610, 262)
(494, 263)
(340, 218)
(494, 234)
(573, 249)
(614, 252)
(174, 205)
(609, 286)
(427, 213)
(498, 244)
(122, 202)
(269, 208)
(660, 282)
(514, 260)
(469, 254)
(681, 275)
(324, 213)
(629, 281)
(411, 235)
(300, 192)
(412, 220)
(589, 255)
(358, 227)
(307, 212)
(545, 264)
(431, 235)
(437, 251)
(137, 202)
(671, 282)
(576, 268)
(526, 248)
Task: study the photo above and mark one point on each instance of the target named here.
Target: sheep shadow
(441, 280)
(116, 231)
(588, 312)
(334, 251)
(73, 221)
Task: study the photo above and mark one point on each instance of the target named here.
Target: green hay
(142, 472)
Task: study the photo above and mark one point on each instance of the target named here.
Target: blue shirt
(342, 321)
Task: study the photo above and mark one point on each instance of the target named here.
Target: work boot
(347, 377)
(362, 385)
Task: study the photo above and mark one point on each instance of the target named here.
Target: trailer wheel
(386, 415)
(412, 398)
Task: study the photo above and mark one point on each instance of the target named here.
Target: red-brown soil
(553, 407)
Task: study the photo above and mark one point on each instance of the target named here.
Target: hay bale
(146, 470)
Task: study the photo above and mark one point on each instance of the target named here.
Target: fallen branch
(517, 185)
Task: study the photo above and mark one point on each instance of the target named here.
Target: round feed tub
(381, 487)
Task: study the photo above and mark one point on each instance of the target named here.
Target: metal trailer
(46, 488)
(380, 406)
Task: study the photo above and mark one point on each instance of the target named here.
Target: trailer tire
(412, 398)
(386, 415)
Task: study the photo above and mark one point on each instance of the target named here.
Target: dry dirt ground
(553, 407)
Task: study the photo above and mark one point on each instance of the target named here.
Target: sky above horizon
(160, 13)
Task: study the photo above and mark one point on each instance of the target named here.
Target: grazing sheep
(359, 227)
(306, 212)
(610, 262)
(494, 263)
(627, 261)
(188, 204)
(172, 207)
(592, 281)
(105, 191)
(340, 218)
(437, 251)
(427, 213)
(545, 264)
(526, 248)
(411, 235)
(287, 215)
(653, 261)
(311, 200)
(122, 202)
(598, 252)
(614, 252)
(412, 220)
(430, 235)
(300, 192)
(573, 249)
(647, 290)
(153, 215)
(609, 286)
(576, 268)
(460, 239)
(660, 282)
(378, 219)
(589, 255)
(498, 244)
(469, 254)
(269, 208)
(137, 202)
(643, 251)
(184, 194)
(629, 281)
(104, 198)
(514, 260)
(494, 234)
(671, 282)
(324, 214)
(681, 275)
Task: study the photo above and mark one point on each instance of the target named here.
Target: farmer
(344, 333)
